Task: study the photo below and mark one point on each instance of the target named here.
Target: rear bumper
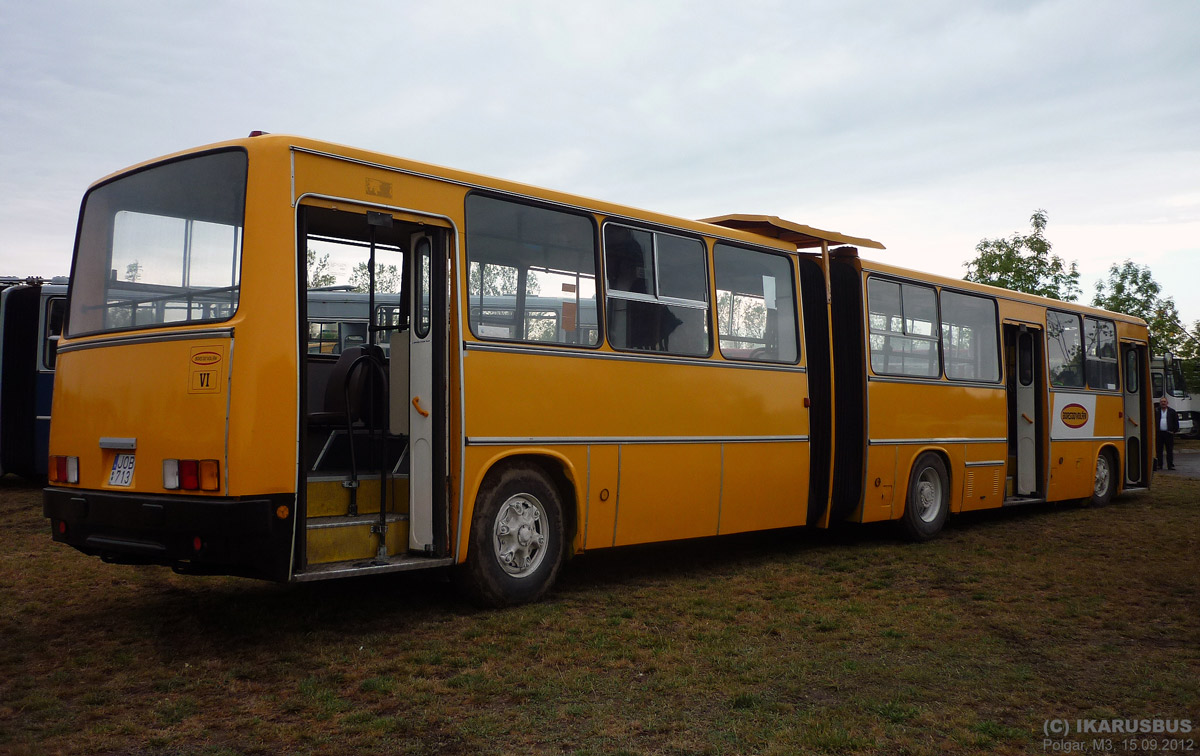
(237, 536)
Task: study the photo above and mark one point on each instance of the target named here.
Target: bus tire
(516, 544)
(928, 502)
(1104, 483)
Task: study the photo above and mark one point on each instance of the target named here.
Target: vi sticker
(205, 369)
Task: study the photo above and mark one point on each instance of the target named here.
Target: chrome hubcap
(519, 535)
(1102, 475)
(929, 495)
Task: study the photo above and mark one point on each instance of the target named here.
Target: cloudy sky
(926, 125)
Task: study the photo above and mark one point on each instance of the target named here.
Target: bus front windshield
(161, 246)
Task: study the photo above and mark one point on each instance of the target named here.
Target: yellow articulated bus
(541, 375)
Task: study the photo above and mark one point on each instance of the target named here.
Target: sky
(927, 125)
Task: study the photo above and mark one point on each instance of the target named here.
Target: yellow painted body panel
(667, 491)
(141, 392)
(600, 514)
(880, 494)
(763, 486)
(537, 396)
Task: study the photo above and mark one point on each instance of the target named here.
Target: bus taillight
(192, 474)
(63, 469)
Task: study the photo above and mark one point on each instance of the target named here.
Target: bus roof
(871, 266)
(777, 228)
(771, 232)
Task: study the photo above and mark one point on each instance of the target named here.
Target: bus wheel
(928, 502)
(1105, 481)
(516, 543)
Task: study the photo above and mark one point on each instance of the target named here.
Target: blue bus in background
(31, 321)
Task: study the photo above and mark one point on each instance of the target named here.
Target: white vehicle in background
(1166, 378)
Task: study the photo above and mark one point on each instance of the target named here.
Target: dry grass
(789, 642)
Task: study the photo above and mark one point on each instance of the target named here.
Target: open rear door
(1027, 403)
(1137, 437)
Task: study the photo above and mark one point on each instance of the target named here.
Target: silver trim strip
(350, 521)
(592, 354)
(948, 382)
(710, 229)
(617, 502)
(880, 441)
(207, 333)
(989, 463)
(113, 442)
(587, 503)
(228, 405)
(323, 572)
(598, 440)
(721, 490)
(43, 417)
(1084, 391)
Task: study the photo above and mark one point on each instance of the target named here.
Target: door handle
(417, 403)
(1135, 422)
(1027, 418)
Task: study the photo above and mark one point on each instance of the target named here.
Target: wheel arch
(955, 497)
(1118, 465)
(557, 467)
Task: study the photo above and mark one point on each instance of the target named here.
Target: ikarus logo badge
(1074, 415)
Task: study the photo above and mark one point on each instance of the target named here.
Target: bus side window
(1064, 349)
(531, 273)
(904, 330)
(1100, 341)
(657, 291)
(756, 305)
(969, 337)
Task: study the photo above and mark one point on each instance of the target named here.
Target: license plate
(122, 471)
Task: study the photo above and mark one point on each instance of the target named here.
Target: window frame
(48, 362)
(996, 333)
(936, 338)
(633, 296)
(1082, 385)
(597, 259)
(797, 304)
(1114, 360)
(79, 229)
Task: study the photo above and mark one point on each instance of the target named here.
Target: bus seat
(334, 411)
(398, 382)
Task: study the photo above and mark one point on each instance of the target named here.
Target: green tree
(133, 271)
(387, 278)
(1025, 263)
(318, 270)
(500, 280)
(1131, 289)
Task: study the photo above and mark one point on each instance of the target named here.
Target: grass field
(780, 643)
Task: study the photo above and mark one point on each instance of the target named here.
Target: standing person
(1166, 425)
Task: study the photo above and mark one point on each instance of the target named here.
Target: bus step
(329, 497)
(399, 563)
(1013, 501)
(344, 538)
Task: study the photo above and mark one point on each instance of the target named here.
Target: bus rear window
(161, 246)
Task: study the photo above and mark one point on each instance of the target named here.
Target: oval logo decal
(212, 358)
(1074, 415)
